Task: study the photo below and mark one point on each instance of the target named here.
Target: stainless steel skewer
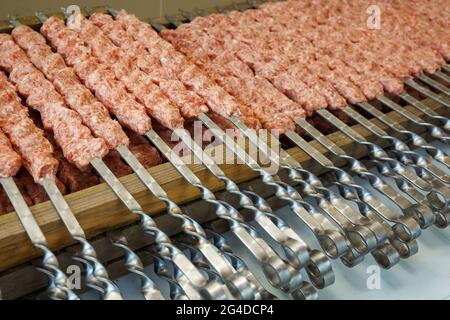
(434, 130)
(426, 110)
(98, 278)
(163, 241)
(362, 238)
(58, 288)
(420, 163)
(436, 85)
(405, 250)
(260, 292)
(295, 249)
(180, 288)
(386, 164)
(442, 76)
(416, 139)
(134, 265)
(428, 93)
(276, 271)
(202, 264)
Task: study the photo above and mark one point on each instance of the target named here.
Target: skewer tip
(13, 20)
(41, 16)
(65, 12)
(156, 25)
(88, 10)
(112, 11)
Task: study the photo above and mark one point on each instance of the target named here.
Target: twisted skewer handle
(134, 265)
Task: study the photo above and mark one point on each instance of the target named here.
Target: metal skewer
(435, 131)
(426, 110)
(180, 288)
(197, 258)
(58, 288)
(416, 139)
(442, 76)
(428, 93)
(189, 16)
(275, 270)
(134, 265)
(219, 241)
(293, 246)
(98, 279)
(434, 84)
(164, 245)
(385, 165)
(420, 163)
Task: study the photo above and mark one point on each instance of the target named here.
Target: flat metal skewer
(164, 245)
(416, 139)
(434, 130)
(276, 271)
(58, 288)
(388, 166)
(428, 93)
(134, 265)
(362, 238)
(442, 76)
(219, 241)
(98, 278)
(434, 84)
(426, 110)
(294, 248)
